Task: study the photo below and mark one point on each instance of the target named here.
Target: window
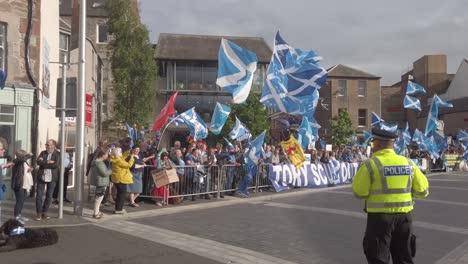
(64, 48)
(102, 33)
(7, 115)
(362, 117)
(104, 103)
(362, 88)
(3, 43)
(341, 87)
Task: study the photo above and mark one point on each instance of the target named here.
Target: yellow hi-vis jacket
(388, 182)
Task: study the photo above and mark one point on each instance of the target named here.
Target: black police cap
(385, 135)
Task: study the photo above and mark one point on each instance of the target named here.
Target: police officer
(388, 182)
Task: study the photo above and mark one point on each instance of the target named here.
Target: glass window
(181, 77)
(102, 33)
(341, 87)
(104, 103)
(210, 73)
(362, 117)
(3, 42)
(64, 47)
(7, 115)
(362, 88)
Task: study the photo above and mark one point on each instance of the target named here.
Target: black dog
(18, 237)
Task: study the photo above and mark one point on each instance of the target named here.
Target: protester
(121, 176)
(67, 164)
(47, 176)
(136, 187)
(21, 181)
(164, 163)
(99, 177)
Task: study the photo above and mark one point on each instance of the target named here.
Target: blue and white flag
(236, 67)
(130, 134)
(440, 141)
(195, 123)
(220, 115)
(314, 125)
(255, 150)
(305, 133)
(399, 147)
(465, 151)
(433, 115)
(293, 80)
(418, 136)
(176, 119)
(379, 123)
(432, 147)
(411, 102)
(407, 135)
(367, 138)
(441, 103)
(414, 88)
(229, 144)
(239, 132)
(462, 136)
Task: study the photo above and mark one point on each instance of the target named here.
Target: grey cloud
(381, 37)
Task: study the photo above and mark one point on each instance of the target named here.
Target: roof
(204, 47)
(64, 25)
(341, 70)
(94, 8)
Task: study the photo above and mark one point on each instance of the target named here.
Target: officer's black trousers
(389, 235)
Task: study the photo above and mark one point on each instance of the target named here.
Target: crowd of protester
(122, 174)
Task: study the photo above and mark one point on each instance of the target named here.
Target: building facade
(430, 71)
(351, 90)
(29, 54)
(189, 64)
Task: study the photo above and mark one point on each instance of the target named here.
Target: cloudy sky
(380, 37)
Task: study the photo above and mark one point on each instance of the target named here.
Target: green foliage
(133, 65)
(252, 114)
(342, 129)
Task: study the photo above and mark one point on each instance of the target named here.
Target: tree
(342, 129)
(252, 114)
(133, 65)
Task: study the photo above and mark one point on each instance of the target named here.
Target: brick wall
(15, 14)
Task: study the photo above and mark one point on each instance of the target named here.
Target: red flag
(163, 116)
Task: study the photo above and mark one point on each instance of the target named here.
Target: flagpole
(159, 142)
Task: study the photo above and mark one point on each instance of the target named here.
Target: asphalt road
(319, 226)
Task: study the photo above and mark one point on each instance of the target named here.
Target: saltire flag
(195, 123)
(433, 115)
(293, 80)
(220, 115)
(130, 133)
(167, 111)
(314, 125)
(379, 123)
(230, 145)
(431, 147)
(255, 150)
(239, 132)
(411, 102)
(294, 151)
(418, 137)
(440, 141)
(407, 135)
(465, 151)
(399, 146)
(176, 119)
(462, 136)
(414, 88)
(3, 77)
(305, 132)
(367, 138)
(236, 67)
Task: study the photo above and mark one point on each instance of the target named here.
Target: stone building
(28, 53)
(352, 90)
(430, 71)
